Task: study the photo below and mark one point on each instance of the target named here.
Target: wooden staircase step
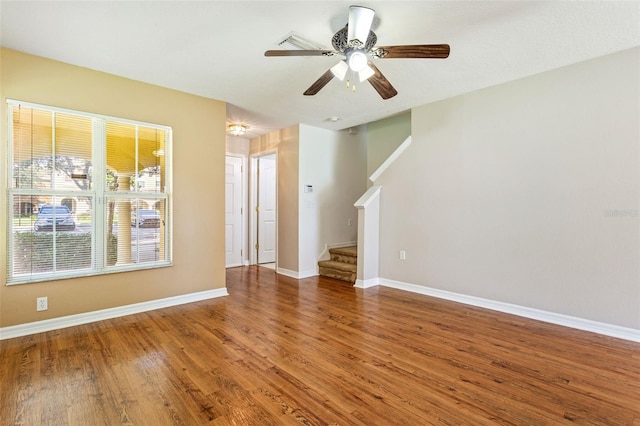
(344, 254)
(338, 274)
(340, 266)
(346, 251)
(343, 264)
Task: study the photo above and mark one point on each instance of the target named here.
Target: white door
(233, 211)
(267, 209)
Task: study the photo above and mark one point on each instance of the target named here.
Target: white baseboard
(308, 273)
(371, 282)
(288, 273)
(297, 275)
(523, 311)
(87, 317)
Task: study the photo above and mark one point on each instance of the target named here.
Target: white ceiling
(216, 49)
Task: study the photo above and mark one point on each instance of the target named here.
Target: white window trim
(97, 192)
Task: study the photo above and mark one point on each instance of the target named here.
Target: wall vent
(293, 41)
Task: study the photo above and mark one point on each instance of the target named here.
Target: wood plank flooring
(278, 351)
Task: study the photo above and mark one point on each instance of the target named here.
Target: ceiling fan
(356, 42)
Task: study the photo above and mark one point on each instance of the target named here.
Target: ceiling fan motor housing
(341, 43)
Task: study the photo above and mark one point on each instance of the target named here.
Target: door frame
(253, 202)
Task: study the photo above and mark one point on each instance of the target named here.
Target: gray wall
(525, 193)
(383, 137)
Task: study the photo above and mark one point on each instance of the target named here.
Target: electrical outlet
(403, 255)
(42, 304)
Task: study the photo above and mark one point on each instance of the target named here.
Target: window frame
(98, 192)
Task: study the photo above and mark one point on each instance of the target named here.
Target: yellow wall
(198, 186)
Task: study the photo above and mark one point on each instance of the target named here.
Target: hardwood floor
(279, 351)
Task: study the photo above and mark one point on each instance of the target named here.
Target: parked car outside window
(45, 217)
(145, 219)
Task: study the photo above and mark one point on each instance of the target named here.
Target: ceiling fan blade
(319, 83)
(381, 84)
(360, 20)
(300, 53)
(412, 51)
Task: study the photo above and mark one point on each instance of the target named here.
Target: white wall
(334, 163)
(237, 146)
(525, 193)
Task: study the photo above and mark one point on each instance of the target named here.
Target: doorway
(233, 211)
(264, 209)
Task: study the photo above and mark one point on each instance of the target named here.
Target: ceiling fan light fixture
(237, 129)
(357, 42)
(365, 73)
(357, 60)
(340, 70)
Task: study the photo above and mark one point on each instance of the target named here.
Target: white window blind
(88, 194)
